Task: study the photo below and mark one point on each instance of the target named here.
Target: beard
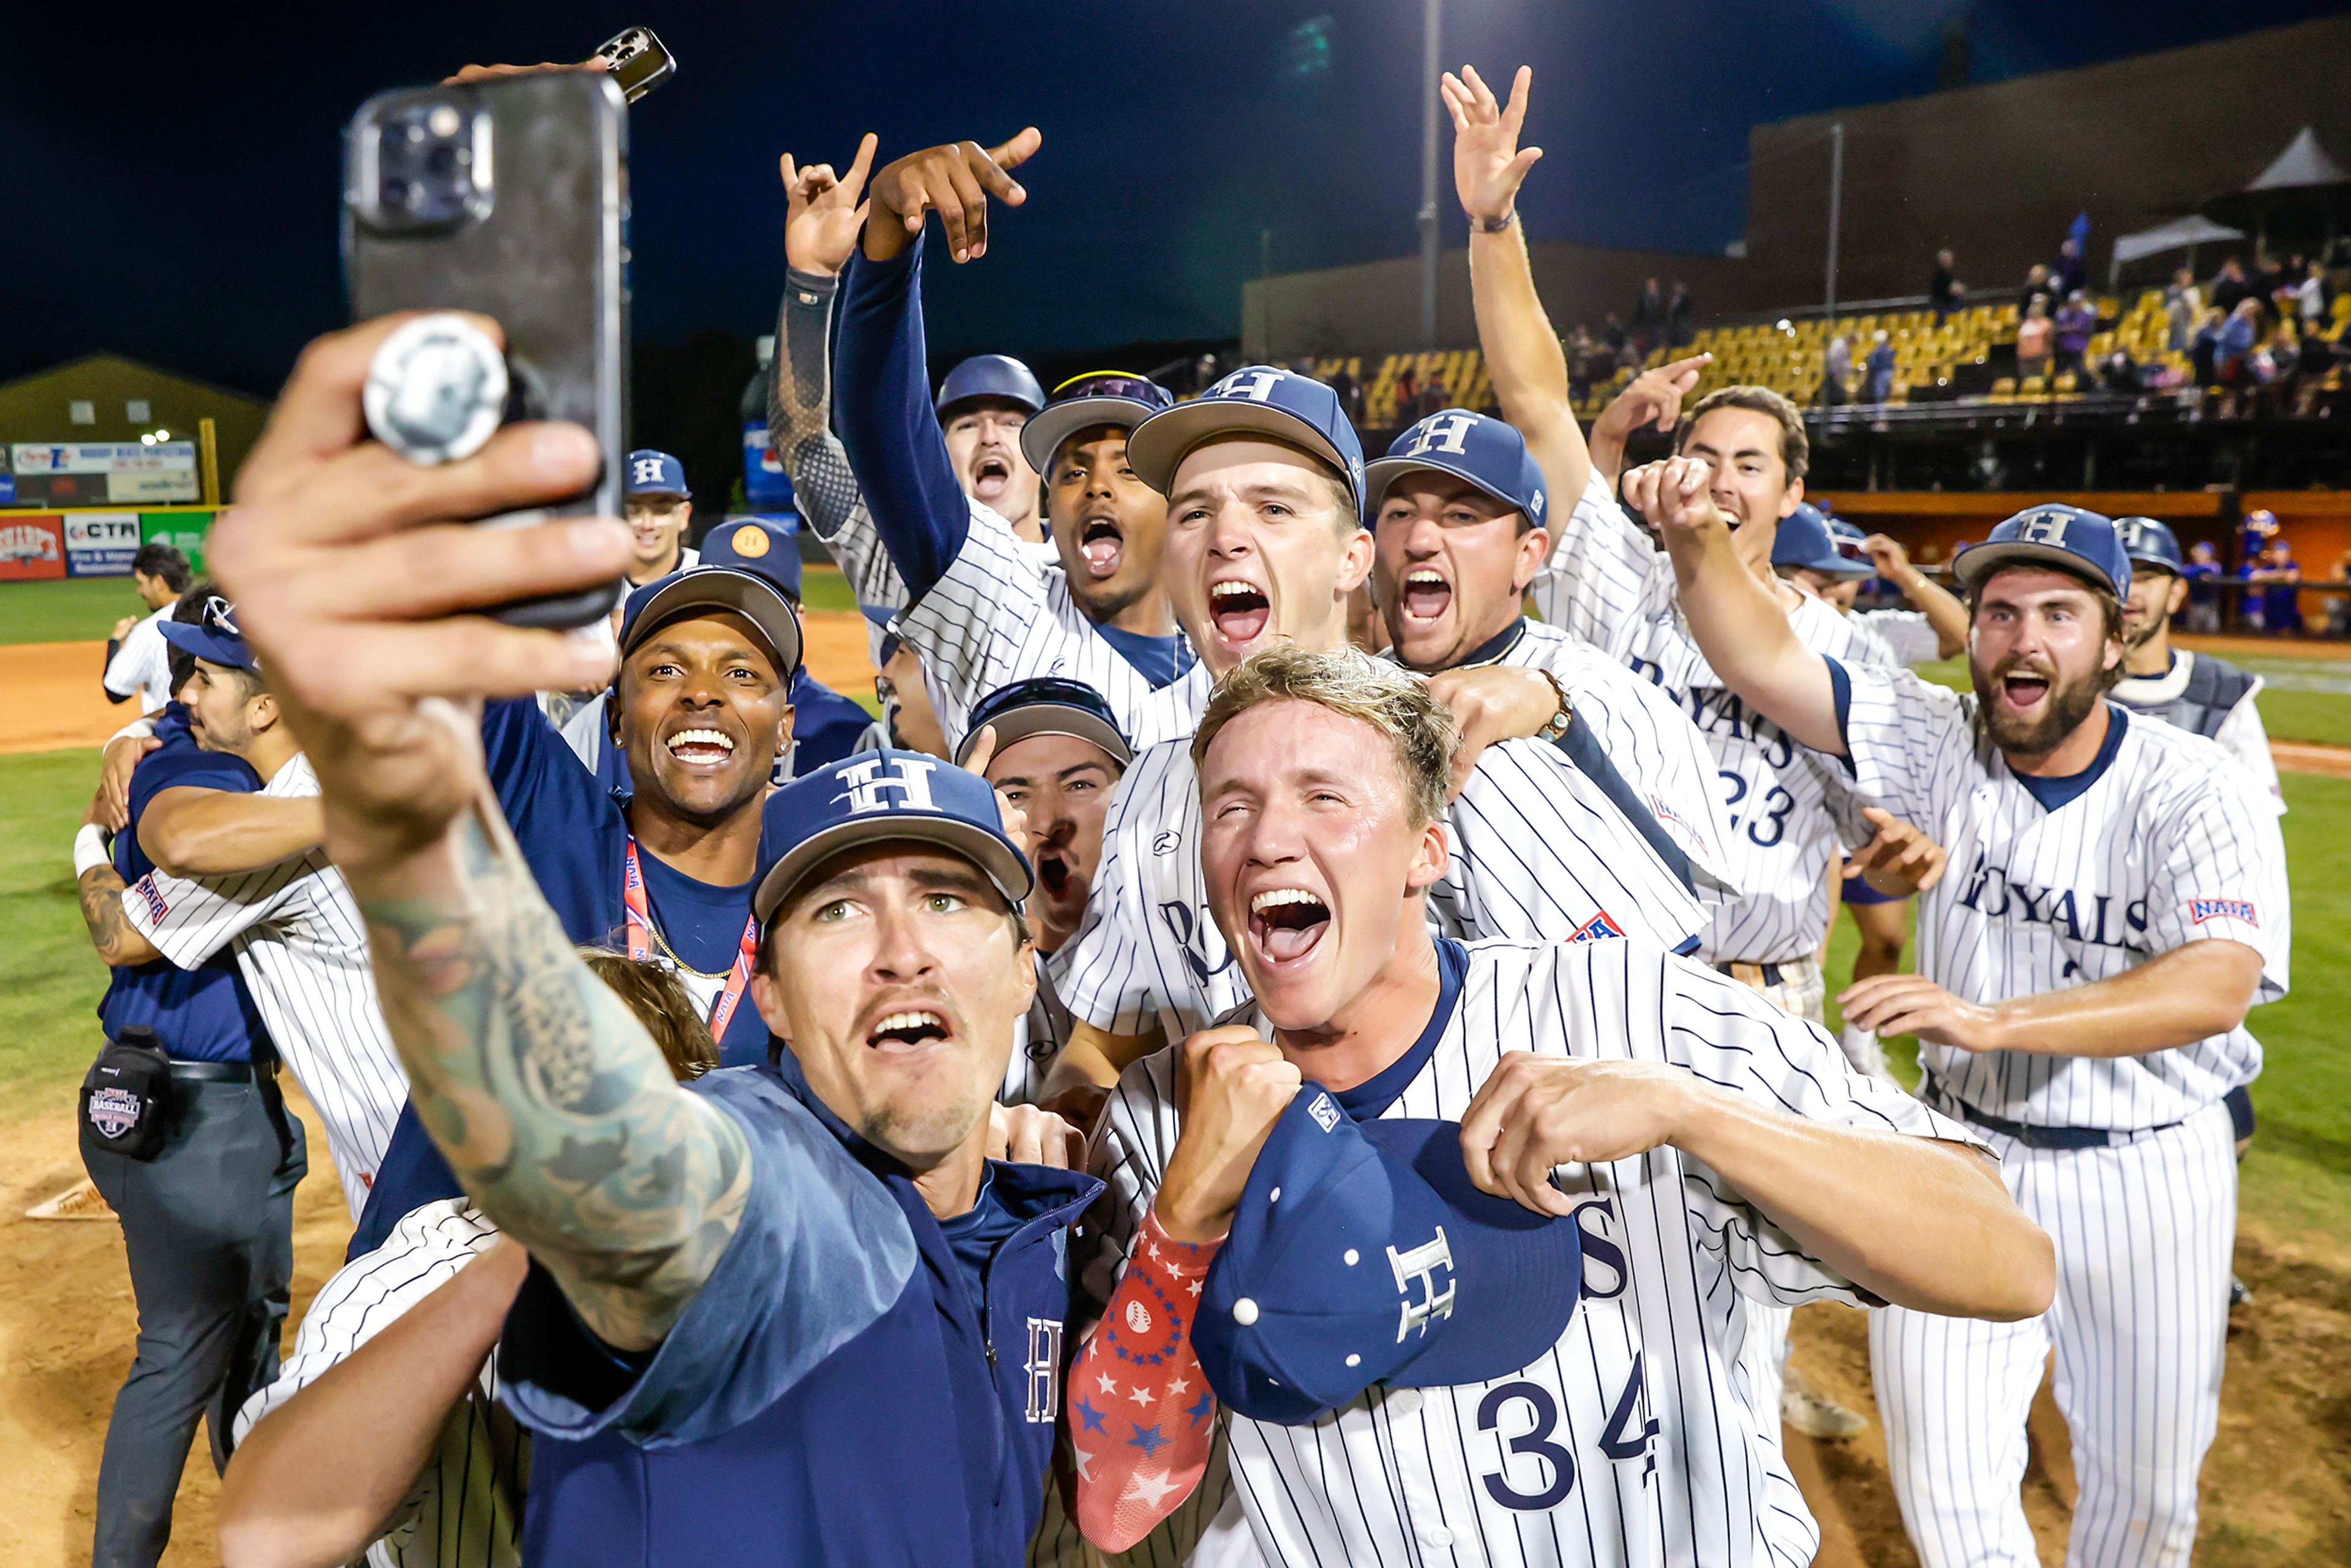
(2063, 711)
(2140, 635)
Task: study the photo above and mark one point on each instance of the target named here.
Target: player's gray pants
(2144, 1233)
(208, 1226)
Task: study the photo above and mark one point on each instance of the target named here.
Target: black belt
(213, 1072)
(2033, 1137)
(1771, 973)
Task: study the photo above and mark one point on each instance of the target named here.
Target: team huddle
(1269, 1052)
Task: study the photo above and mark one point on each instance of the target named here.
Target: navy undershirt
(701, 922)
(1375, 1094)
(2054, 792)
(974, 1237)
(1162, 661)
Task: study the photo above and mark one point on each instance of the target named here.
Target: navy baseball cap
(1047, 705)
(768, 545)
(990, 375)
(2054, 534)
(213, 637)
(1486, 452)
(1082, 403)
(879, 796)
(2151, 543)
(654, 473)
(753, 594)
(1806, 540)
(1363, 1253)
(1262, 400)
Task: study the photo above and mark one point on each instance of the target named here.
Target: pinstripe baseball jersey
(1002, 613)
(2164, 844)
(466, 1509)
(141, 667)
(1608, 583)
(1651, 741)
(1636, 1438)
(303, 948)
(1907, 634)
(1039, 1036)
(1539, 852)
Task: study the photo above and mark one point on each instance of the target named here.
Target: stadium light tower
(1431, 111)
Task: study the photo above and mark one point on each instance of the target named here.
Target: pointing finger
(862, 165)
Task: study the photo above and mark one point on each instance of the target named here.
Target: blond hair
(1392, 700)
(659, 999)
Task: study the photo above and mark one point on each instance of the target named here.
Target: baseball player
(826, 726)
(207, 1216)
(393, 1445)
(1385, 1400)
(137, 665)
(1052, 750)
(983, 610)
(1457, 507)
(1264, 481)
(660, 506)
(296, 937)
(698, 715)
(1936, 624)
(2201, 692)
(805, 1272)
(2117, 902)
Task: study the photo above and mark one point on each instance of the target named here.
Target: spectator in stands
(1649, 318)
(1879, 385)
(1681, 317)
(1611, 333)
(2038, 291)
(2076, 321)
(2183, 310)
(1351, 394)
(1434, 398)
(1944, 290)
(2229, 286)
(2118, 373)
(2035, 336)
(1836, 372)
(1407, 399)
(2270, 277)
(2235, 343)
(2310, 297)
(2073, 272)
(2204, 574)
(2204, 349)
(1581, 354)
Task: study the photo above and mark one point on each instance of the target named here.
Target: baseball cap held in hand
(1363, 1253)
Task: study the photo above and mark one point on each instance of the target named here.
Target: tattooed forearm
(553, 1105)
(110, 930)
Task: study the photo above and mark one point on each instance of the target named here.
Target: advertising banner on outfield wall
(184, 531)
(32, 549)
(101, 471)
(101, 544)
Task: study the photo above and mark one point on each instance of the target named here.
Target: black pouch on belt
(126, 1096)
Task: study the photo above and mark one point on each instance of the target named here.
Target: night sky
(172, 173)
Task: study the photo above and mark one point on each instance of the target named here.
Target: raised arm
(1942, 608)
(823, 215)
(351, 570)
(1653, 397)
(1739, 625)
(189, 830)
(1851, 1197)
(316, 1481)
(1522, 352)
(884, 410)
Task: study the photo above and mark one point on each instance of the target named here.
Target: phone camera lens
(441, 163)
(397, 194)
(444, 121)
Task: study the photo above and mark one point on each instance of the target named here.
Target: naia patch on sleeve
(2200, 910)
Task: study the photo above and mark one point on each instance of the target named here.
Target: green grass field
(84, 610)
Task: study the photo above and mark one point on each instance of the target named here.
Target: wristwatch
(1556, 727)
(1495, 226)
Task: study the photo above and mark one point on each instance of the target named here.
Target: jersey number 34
(1543, 1455)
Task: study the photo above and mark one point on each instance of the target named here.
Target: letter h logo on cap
(1421, 1263)
(645, 471)
(866, 781)
(2044, 528)
(1442, 433)
(1256, 386)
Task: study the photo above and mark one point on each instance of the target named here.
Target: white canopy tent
(2181, 234)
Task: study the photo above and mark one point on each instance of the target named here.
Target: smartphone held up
(504, 196)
